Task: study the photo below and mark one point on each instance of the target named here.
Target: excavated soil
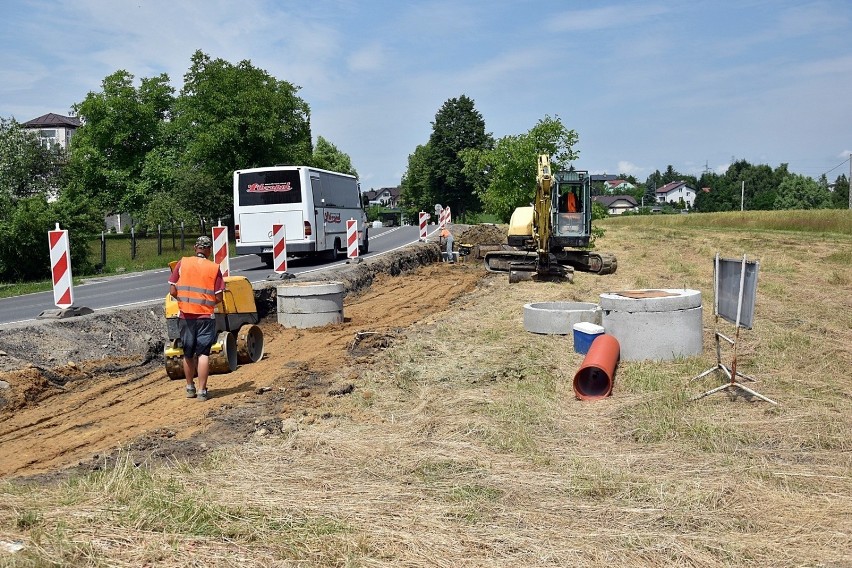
(76, 391)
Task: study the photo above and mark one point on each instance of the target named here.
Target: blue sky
(644, 84)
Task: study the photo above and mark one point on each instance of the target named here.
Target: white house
(386, 196)
(54, 129)
(675, 191)
(618, 186)
(617, 204)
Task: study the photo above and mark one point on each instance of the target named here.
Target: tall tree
(328, 157)
(415, 195)
(505, 175)
(231, 117)
(457, 126)
(121, 124)
(840, 195)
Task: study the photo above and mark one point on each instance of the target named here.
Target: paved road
(150, 286)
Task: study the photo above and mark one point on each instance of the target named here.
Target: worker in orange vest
(447, 237)
(197, 284)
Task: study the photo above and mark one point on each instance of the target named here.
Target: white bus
(312, 204)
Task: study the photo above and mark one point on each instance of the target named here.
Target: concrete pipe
(594, 379)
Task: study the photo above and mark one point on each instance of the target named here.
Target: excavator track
(585, 261)
(524, 265)
(509, 260)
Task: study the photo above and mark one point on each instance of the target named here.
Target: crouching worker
(447, 238)
(197, 284)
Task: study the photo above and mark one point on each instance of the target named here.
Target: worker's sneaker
(203, 395)
(190, 391)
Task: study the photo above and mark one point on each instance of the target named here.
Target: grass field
(463, 444)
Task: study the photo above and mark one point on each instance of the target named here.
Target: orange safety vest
(571, 203)
(195, 285)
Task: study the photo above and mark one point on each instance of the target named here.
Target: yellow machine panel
(521, 222)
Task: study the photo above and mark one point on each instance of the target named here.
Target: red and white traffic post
(279, 249)
(352, 240)
(445, 217)
(60, 266)
(220, 249)
(423, 218)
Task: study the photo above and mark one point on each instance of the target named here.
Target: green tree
(840, 195)
(415, 194)
(230, 117)
(31, 175)
(458, 126)
(27, 167)
(328, 157)
(801, 192)
(505, 175)
(121, 125)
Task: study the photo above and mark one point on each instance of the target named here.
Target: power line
(838, 165)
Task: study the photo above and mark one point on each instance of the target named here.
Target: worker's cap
(203, 242)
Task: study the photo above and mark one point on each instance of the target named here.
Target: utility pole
(850, 180)
(742, 197)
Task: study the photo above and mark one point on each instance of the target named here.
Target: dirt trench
(76, 391)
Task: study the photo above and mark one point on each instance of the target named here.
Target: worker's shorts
(197, 336)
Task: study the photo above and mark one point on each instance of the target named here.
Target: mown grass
(130, 497)
(474, 451)
(807, 221)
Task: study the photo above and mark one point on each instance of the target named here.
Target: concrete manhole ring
(558, 318)
(310, 304)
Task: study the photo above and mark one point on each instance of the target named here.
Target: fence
(143, 247)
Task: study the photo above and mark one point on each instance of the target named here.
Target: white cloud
(629, 168)
(608, 17)
(371, 57)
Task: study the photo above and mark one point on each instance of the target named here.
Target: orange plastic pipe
(594, 378)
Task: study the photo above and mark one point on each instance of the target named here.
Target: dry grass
(464, 446)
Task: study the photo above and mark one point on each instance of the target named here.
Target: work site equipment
(548, 240)
(239, 339)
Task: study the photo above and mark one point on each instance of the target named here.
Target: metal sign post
(726, 274)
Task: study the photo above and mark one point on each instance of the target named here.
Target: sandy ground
(76, 393)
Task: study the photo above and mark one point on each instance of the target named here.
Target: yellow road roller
(239, 339)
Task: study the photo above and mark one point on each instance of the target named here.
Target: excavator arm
(542, 229)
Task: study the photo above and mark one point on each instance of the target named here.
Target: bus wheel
(335, 252)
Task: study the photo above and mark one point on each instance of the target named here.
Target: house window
(48, 137)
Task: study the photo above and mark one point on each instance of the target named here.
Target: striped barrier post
(423, 218)
(279, 249)
(445, 217)
(352, 239)
(60, 265)
(220, 250)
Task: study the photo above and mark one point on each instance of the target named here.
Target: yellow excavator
(550, 239)
(239, 339)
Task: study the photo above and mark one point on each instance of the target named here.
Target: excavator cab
(572, 214)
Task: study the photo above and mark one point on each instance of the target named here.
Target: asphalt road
(150, 286)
